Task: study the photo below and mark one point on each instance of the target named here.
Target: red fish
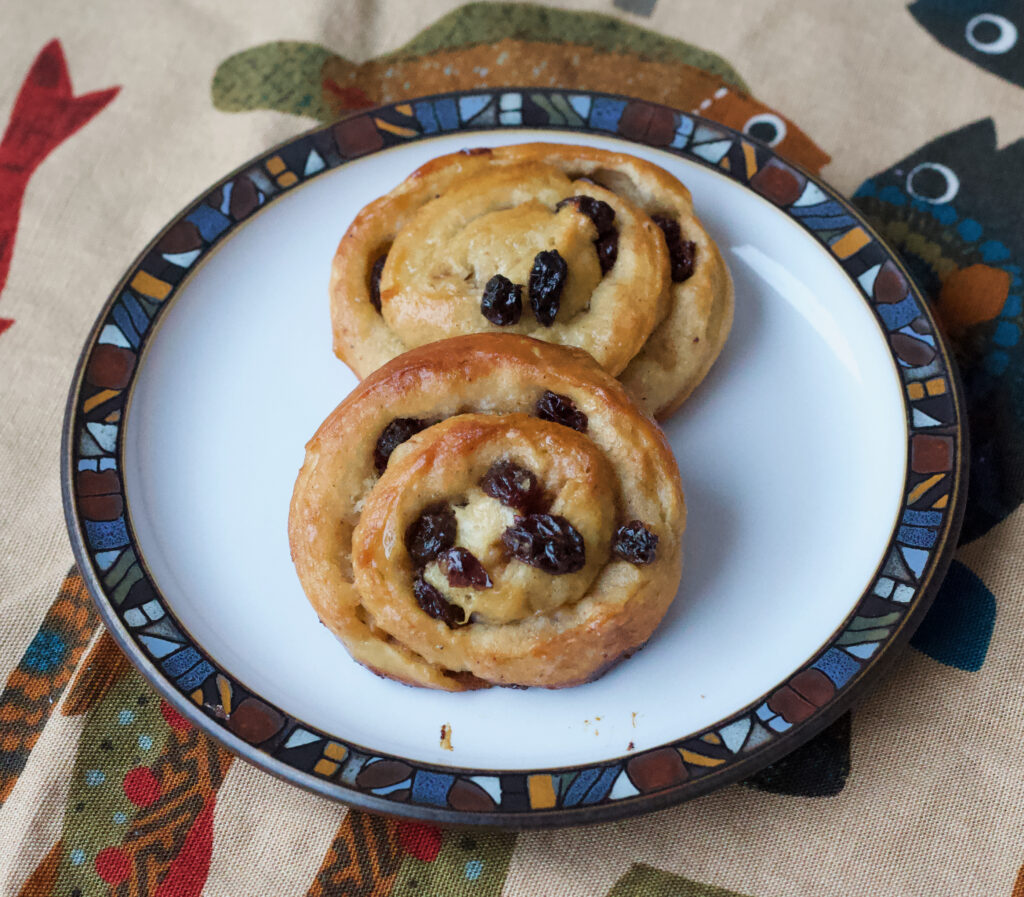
(45, 114)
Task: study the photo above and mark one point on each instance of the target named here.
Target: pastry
(568, 244)
(489, 510)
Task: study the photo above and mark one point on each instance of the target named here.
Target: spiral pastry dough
(568, 244)
(489, 510)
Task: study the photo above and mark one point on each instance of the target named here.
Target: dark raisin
(598, 211)
(513, 485)
(502, 302)
(547, 278)
(375, 272)
(607, 250)
(680, 252)
(477, 151)
(561, 410)
(547, 542)
(603, 216)
(463, 570)
(433, 604)
(635, 543)
(392, 436)
(430, 534)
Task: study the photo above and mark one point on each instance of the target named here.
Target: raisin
(393, 435)
(433, 604)
(502, 302)
(477, 151)
(547, 278)
(375, 272)
(635, 543)
(513, 485)
(430, 534)
(603, 216)
(561, 410)
(598, 211)
(680, 252)
(607, 250)
(463, 569)
(546, 541)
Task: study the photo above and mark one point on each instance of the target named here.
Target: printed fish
(495, 44)
(45, 114)
(952, 209)
(985, 32)
(139, 813)
(642, 881)
(34, 688)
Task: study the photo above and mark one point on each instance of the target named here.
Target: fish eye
(766, 127)
(932, 182)
(991, 33)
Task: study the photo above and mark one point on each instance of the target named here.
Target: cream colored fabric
(934, 804)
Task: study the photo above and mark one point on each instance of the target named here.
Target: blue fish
(953, 210)
(985, 32)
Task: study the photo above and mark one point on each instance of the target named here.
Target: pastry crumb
(446, 737)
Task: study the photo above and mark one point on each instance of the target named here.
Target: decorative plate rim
(806, 701)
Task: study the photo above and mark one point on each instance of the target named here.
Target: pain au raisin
(393, 435)
(433, 604)
(681, 252)
(463, 569)
(546, 541)
(513, 486)
(502, 302)
(561, 410)
(547, 278)
(375, 272)
(635, 543)
(603, 216)
(430, 534)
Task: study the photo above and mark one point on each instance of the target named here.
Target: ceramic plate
(822, 461)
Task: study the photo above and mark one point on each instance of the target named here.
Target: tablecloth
(117, 114)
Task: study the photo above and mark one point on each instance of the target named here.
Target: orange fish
(494, 45)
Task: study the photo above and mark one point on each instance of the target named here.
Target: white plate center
(792, 456)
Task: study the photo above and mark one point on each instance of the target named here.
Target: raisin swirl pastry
(568, 244)
(489, 510)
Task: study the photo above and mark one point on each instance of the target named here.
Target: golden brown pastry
(569, 244)
(489, 509)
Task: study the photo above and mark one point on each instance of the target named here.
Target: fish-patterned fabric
(114, 115)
